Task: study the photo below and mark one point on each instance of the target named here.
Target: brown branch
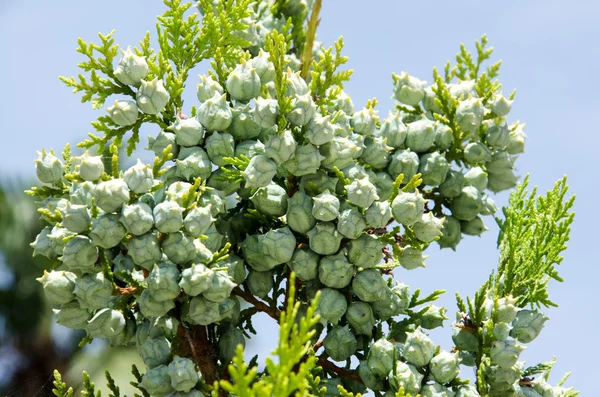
(202, 352)
(287, 289)
(292, 185)
(343, 372)
(313, 23)
(259, 305)
(318, 345)
(126, 290)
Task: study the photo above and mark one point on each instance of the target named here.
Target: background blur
(551, 55)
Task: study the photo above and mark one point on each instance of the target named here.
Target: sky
(550, 54)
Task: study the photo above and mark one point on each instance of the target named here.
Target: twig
(126, 290)
(318, 345)
(261, 306)
(345, 373)
(202, 352)
(292, 185)
(313, 23)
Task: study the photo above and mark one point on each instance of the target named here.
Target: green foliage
(183, 43)
(541, 368)
(220, 255)
(313, 24)
(138, 378)
(325, 75)
(235, 173)
(415, 301)
(277, 47)
(466, 68)
(99, 64)
(58, 189)
(532, 237)
(166, 155)
(296, 24)
(60, 388)
(341, 177)
(89, 387)
(292, 371)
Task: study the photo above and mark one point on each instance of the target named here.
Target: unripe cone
(107, 231)
(155, 351)
(434, 317)
(420, 135)
(340, 343)
(243, 125)
(505, 353)
(207, 88)
(360, 317)
(196, 279)
(281, 147)
(409, 90)
(91, 168)
(203, 311)
(335, 271)
(80, 254)
(228, 343)
(243, 82)
(271, 200)
(152, 97)
(198, 220)
(214, 113)
(369, 378)
(365, 252)
(58, 286)
(332, 305)
(418, 349)
(404, 162)
(324, 239)
(163, 282)
(131, 68)
(72, 315)
(49, 169)
(111, 195)
(259, 172)
(137, 218)
(444, 367)
(408, 208)
(394, 130)
(123, 112)
(378, 214)
(77, 218)
(183, 374)
(369, 286)
(145, 250)
(365, 121)
(351, 223)
(220, 287)
(304, 263)
(106, 324)
(157, 381)
(381, 357)
(527, 325)
(260, 283)
(406, 377)
(451, 233)
(193, 162)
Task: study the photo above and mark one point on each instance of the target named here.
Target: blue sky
(551, 55)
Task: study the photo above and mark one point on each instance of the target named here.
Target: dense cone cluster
(337, 196)
(510, 326)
